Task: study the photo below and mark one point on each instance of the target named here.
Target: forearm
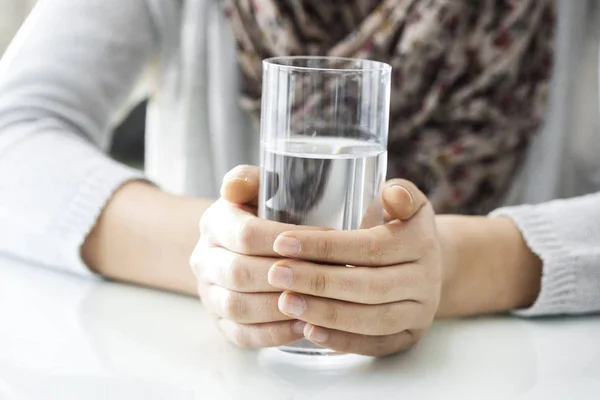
(489, 267)
(145, 236)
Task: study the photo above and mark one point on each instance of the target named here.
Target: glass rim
(370, 65)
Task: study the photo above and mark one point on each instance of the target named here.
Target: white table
(66, 338)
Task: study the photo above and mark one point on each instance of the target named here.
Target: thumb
(402, 199)
(240, 185)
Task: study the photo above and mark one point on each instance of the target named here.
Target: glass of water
(324, 128)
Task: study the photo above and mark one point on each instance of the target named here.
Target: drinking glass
(324, 128)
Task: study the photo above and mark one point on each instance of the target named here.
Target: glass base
(307, 348)
(318, 367)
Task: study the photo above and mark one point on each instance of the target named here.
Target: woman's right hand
(231, 262)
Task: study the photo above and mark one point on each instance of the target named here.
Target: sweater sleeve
(565, 234)
(63, 83)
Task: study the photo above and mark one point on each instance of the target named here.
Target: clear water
(323, 181)
(330, 182)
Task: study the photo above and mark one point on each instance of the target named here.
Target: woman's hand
(379, 307)
(231, 263)
(372, 291)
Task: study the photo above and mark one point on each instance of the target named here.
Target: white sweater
(77, 67)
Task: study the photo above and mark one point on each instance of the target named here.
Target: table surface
(63, 337)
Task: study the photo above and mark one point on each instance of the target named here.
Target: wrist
(109, 221)
(487, 266)
(145, 236)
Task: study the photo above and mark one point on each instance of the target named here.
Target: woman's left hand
(371, 291)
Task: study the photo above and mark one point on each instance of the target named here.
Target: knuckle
(204, 223)
(332, 313)
(324, 250)
(351, 285)
(239, 336)
(388, 320)
(318, 284)
(238, 274)
(428, 243)
(198, 253)
(194, 260)
(276, 336)
(379, 289)
(197, 263)
(273, 335)
(247, 235)
(373, 249)
(234, 308)
(201, 291)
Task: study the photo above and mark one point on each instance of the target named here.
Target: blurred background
(128, 143)
(12, 14)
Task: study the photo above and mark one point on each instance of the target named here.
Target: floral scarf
(470, 79)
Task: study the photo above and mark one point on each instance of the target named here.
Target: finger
(240, 185)
(236, 229)
(243, 308)
(201, 289)
(246, 274)
(387, 217)
(388, 244)
(262, 335)
(362, 285)
(374, 346)
(402, 199)
(383, 319)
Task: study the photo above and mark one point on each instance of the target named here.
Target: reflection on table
(64, 337)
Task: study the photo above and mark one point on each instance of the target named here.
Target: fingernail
(298, 327)
(287, 246)
(232, 176)
(394, 195)
(292, 304)
(235, 176)
(317, 334)
(280, 276)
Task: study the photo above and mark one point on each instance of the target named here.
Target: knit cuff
(558, 285)
(75, 223)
